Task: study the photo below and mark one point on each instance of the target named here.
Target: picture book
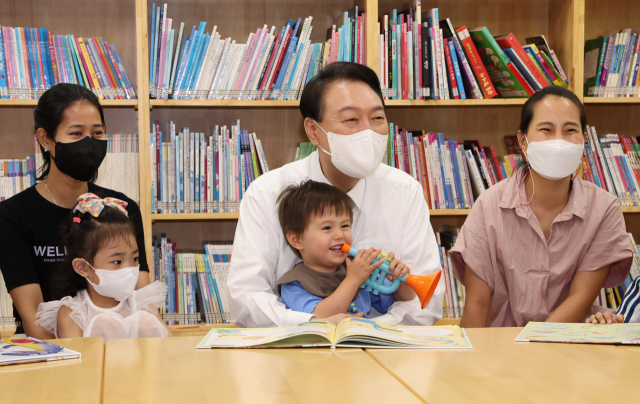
(15, 351)
(350, 332)
(620, 333)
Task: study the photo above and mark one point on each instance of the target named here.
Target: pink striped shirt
(529, 277)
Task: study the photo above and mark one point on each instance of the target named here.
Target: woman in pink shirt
(540, 245)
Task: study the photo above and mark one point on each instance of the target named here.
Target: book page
(311, 333)
(24, 350)
(368, 333)
(619, 333)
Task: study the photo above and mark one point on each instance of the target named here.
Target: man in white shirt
(344, 116)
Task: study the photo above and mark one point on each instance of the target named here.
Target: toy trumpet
(424, 285)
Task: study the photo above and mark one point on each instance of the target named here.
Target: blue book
(153, 44)
(290, 50)
(76, 66)
(30, 59)
(161, 18)
(36, 55)
(524, 71)
(46, 58)
(456, 69)
(625, 70)
(186, 49)
(3, 70)
(200, 61)
(532, 55)
(627, 173)
(456, 174)
(392, 145)
(619, 64)
(592, 164)
(193, 57)
(122, 71)
(614, 61)
(447, 186)
(181, 56)
(635, 73)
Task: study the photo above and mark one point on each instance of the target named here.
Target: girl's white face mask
(118, 284)
(554, 159)
(357, 155)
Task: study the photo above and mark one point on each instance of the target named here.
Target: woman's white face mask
(554, 159)
(357, 155)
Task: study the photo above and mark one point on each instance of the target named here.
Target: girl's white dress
(134, 317)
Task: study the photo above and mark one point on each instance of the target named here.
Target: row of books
(452, 174)
(612, 297)
(33, 60)
(612, 162)
(196, 173)
(421, 57)
(196, 282)
(119, 169)
(204, 66)
(454, 297)
(16, 176)
(304, 149)
(611, 65)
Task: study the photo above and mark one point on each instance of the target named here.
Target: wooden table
(66, 381)
(172, 370)
(499, 370)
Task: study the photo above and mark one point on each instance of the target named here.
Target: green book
(593, 50)
(498, 65)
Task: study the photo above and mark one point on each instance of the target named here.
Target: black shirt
(30, 243)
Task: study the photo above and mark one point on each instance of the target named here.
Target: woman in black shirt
(70, 128)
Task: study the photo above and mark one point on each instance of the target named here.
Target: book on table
(618, 333)
(15, 351)
(350, 332)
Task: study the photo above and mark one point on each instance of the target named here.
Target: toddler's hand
(605, 318)
(360, 268)
(396, 268)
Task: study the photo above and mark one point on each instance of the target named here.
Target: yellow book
(349, 333)
(92, 72)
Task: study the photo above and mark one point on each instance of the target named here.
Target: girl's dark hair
(50, 110)
(84, 240)
(527, 109)
(299, 203)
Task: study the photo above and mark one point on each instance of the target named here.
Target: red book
(509, 41)
(585, 169)
(488, 90)
(281, 57)
(521, 79)
(495, 161)
(452, 74)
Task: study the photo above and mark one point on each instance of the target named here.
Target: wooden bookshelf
(565, 23)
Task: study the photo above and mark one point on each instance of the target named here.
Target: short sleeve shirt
(528, 276)
(30, 245)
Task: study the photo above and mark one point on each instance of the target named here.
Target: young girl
(96, 281)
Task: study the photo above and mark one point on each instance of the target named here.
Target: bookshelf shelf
(455, 103)
(33, 103)
(631, 209)
(227, 103)
(616, 100)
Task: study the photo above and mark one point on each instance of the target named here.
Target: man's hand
(605, 318)
(360, 268)
(336, 318)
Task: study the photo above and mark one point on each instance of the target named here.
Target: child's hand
(605, 318)
(396, 268)
(361, 267)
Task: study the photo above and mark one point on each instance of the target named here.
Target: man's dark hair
(299, 203)
(312, 99)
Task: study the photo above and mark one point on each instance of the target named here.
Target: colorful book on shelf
(504, 75)
(578, 333)
(15, 351)
(350, 332)
(473, 56)
(549, 55)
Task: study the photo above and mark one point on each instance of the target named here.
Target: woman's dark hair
(49, 113)
(84, 240)
(527, 110)
(312, 99)
(299, 203)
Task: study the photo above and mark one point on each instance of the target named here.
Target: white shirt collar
(356, 193)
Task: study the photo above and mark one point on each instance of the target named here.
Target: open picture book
(26, 350)
(581, 333)
(350, 332)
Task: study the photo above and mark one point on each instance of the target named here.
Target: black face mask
(80, 160)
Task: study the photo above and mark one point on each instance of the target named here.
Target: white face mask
(554, 159)
(118, 284)
(357, 155)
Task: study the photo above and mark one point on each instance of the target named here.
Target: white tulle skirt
(134, 317)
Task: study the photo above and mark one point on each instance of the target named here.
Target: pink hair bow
(93, 204)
